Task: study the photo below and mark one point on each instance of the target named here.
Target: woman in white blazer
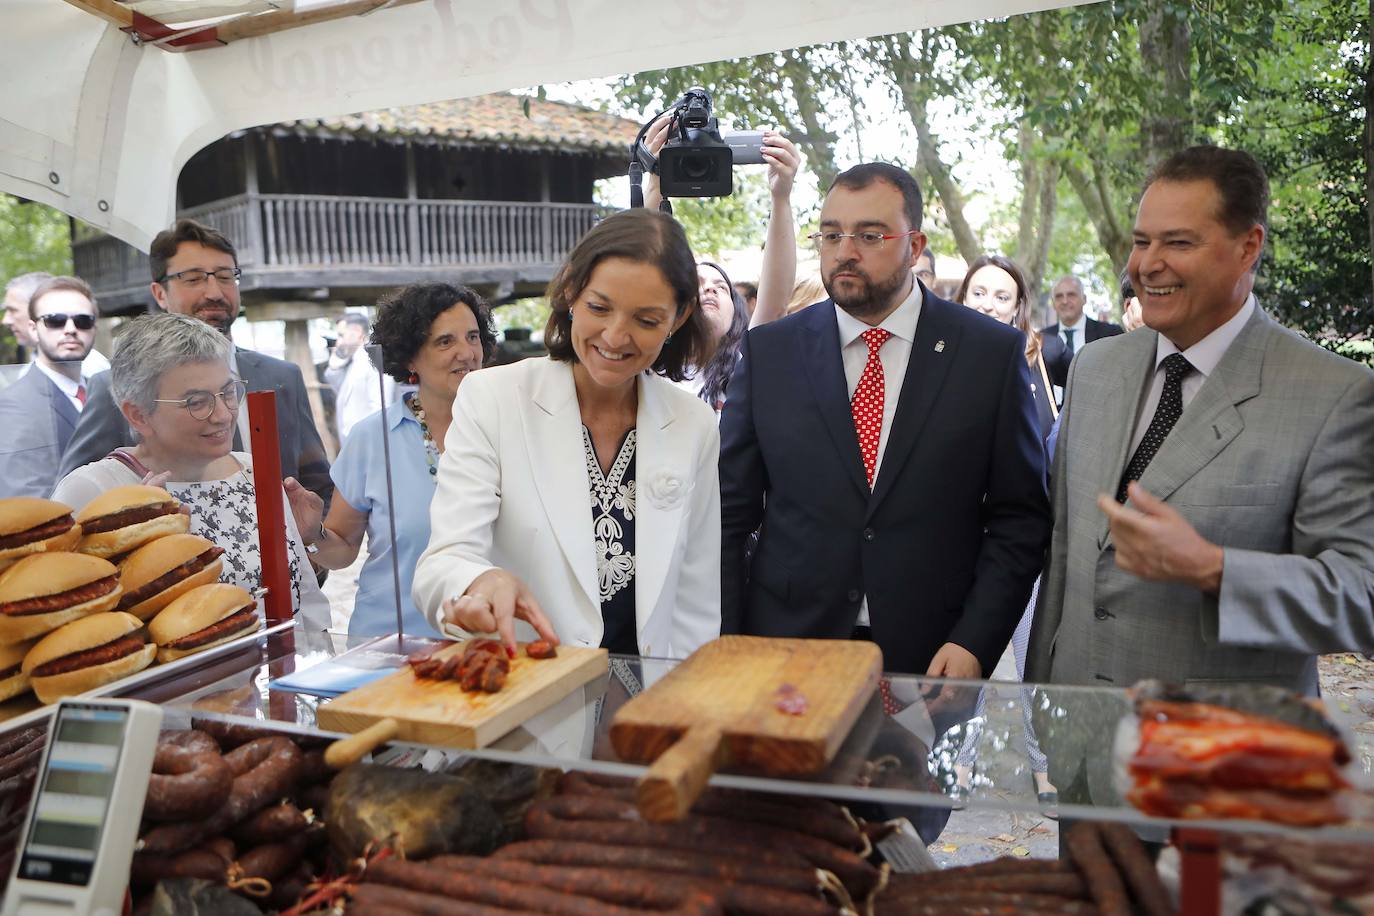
(578, 495)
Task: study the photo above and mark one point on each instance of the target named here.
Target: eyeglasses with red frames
(870, 240)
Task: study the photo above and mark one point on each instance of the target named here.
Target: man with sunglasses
(39, 412)
(195, 272)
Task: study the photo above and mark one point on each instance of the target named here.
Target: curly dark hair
(405, 317)
(648, 237)
(715, 375)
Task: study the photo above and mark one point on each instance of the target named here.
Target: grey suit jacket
(38, 420)
(1272, 461)
(103, 428)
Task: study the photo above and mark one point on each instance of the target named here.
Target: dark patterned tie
(1068, 341)
(1170, 408)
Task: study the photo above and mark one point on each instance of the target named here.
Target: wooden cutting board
(722, 707)
(443, 714)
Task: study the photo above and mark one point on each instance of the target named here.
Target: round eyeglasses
(201, 404)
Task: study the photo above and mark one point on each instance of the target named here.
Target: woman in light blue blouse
(431, 335)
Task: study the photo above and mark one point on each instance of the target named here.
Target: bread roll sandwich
(87, 653)
(201, 618)
(13, 681)
(42, 592)
(125, 518)
(163, 570)
(29, 525)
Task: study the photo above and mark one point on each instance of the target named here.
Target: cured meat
(168, 579)
(122, 519)
(1198, 760)
(232, 623)
(110, 651)
(483, 666)
(38, 533)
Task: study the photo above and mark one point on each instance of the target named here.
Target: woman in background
(995, 286)
(434, 336)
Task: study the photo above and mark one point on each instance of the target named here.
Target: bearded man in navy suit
(884, 445)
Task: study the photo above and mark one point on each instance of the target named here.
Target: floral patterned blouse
(613, 521)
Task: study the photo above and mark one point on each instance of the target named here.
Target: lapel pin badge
(939, 346)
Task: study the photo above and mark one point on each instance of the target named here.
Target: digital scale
(78, 841)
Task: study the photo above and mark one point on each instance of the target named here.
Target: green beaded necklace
(431, 450)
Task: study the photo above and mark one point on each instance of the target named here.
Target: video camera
(698, 159)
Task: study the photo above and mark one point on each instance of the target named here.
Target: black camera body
(697, 160)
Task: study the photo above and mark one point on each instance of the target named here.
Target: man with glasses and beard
(884, 445)
(195, 272)
(40, 410)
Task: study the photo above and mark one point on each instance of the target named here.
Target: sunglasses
(58, 320)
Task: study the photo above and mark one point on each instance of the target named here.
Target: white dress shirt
(68, 386)
(357, 388)
(1080, 332)
(894, 355)
(1203, 356)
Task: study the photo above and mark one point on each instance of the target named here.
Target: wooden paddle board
(778, 707)
(443, 714)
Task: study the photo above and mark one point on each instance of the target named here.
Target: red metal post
(276, 568)
(1200, 858)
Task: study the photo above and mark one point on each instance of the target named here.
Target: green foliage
(1304, 121)
(32, 237)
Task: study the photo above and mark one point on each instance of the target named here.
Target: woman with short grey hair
(170, 377)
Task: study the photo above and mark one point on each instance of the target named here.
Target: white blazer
(513, 493)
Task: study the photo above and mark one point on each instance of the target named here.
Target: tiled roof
(487, 120)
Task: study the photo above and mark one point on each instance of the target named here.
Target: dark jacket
(949, 541)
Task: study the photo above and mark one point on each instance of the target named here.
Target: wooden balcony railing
(301, 232)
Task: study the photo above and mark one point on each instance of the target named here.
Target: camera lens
(696, 168)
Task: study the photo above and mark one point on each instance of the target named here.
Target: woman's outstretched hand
(492, 604)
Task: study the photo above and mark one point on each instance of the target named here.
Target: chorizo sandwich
(13, 681)
(120, 520)
(30, 525)
(42, 592)
(161, 571)
(203, 617)
(86, 654)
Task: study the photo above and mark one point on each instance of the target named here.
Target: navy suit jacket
(949, 541)
(103, 428)
(38, 420)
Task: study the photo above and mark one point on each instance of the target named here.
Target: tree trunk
(819, 144)
(1165, 57)
(1093, 191)
(907, 74)
(1039, 200)
(1369, 145)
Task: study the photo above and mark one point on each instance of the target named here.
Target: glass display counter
(906, 759)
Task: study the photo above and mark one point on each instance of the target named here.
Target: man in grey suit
(1212, 481)
(195, 272)
(40, 410)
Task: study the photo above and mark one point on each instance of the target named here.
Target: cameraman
(778, 273)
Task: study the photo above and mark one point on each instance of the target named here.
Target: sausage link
(313, 768)
(1084, 842)
(271, 860)
(186, 784)
(272, 824)
(20, 760)
(16, 741)
(231, 734)
(987, 905)
(1141, 875)
(188, 738)
(551, 818)
(385, 900)
(271, 769)
(149, 868)
(826, 824)
(497, 892)
(646, 889)
(702, 864)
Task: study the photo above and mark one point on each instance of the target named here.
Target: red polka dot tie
(867, 403)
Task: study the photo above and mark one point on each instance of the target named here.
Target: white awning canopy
(103, 104)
